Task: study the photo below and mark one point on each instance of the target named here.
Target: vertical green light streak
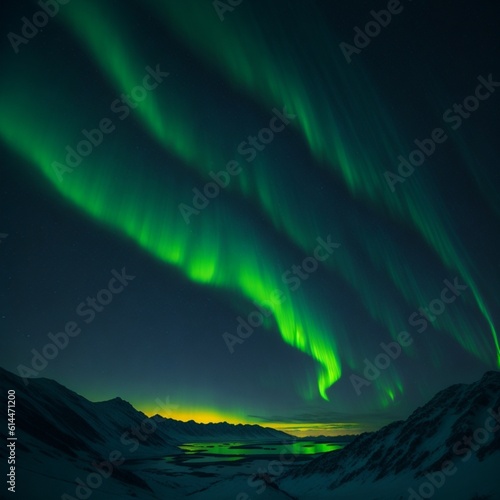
(223, 252)
(263, 65)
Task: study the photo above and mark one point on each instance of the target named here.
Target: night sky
(312, 234)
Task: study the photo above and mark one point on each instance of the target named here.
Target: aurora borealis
(239, 167)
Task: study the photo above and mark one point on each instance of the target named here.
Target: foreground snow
(71, 448)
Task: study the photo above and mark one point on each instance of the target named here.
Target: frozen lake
(214, 452)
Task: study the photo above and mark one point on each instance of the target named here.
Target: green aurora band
(259, 61)
(168, 118)
(228, 262)
(146, 211)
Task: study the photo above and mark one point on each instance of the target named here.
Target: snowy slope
(53, 417)
(456, 430)
(61, 435)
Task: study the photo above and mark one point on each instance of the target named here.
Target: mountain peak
(431, 436)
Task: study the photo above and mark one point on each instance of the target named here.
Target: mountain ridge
(179, 430)
(449, 447)
(435, 434)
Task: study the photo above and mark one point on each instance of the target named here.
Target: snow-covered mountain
(193, 432)
(447, 449)
(59, 418)
(61, 435)
(70, 448)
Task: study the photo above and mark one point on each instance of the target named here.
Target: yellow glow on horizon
(199, 415)
(303, 429)
(313, 429)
